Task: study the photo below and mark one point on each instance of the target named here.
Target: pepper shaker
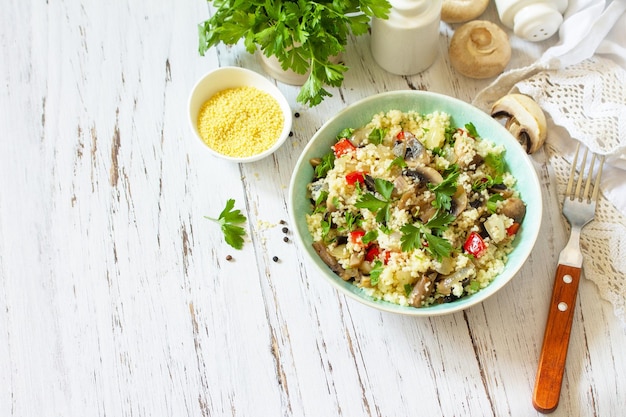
(408, 41)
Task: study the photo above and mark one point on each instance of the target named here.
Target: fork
(579, 208)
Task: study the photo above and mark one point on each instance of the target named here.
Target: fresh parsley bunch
(301, 34)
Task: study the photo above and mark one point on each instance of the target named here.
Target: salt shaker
(408, 41)
(533, 20)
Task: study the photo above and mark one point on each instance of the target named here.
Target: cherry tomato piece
(342, 147)
(475, 245)
(354, 177)
(512, 229)
(375, 252)
(356, 236)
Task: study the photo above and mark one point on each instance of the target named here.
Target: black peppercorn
(275, 259)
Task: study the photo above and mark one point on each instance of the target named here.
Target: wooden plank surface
(116, 298)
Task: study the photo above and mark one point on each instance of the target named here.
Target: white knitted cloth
(580, 84)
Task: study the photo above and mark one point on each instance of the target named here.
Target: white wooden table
(116, 298)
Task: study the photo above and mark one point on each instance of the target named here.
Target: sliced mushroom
(412, 150)
(479, 49)
(407, 199)
(459, 201)
(359, 136)
(423, 289)
(427, 210)
(330, 260)
(457, 11)
(525, 120)
(415, 197)
(330, 204)
(514, 208)
(446, 284)
(356, 259)
(366, 267)
(315, 162)
(422, 204)
(400, 185)
(351, 273)
(369, 182)
(423, 175)
(415, 151)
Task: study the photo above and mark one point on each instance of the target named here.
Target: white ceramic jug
(408, 41)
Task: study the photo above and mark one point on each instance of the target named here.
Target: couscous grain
(240, 121)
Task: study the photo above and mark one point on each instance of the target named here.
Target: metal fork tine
(586, 194)
(596, 185)
(572, 173)
(579, 183)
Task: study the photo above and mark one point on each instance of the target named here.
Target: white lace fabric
(580, 85)
(587, 99)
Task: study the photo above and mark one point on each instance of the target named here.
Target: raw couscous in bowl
(238, 114)
(415, 203)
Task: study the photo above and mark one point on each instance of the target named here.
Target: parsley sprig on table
(302, 34)
(229, 221)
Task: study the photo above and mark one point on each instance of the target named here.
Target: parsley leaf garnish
(445, 189)
(376, 136)
(492, 203)
(346, 133)
(414, 235)
(229, 221)
(320, 202)
(325, 228)
(377, 269)
(471, 130)
(438, 246)
(411, 237)
(486, 182)
(380, 206)
(496, 162)
(408, 288)
(352, 220)
(399, 162)
(328, 162)
(370, 236)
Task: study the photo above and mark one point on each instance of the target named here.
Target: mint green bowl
(360, 113)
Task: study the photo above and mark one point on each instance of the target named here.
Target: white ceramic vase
(272, 67)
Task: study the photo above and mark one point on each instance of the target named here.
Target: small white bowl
(231, 77)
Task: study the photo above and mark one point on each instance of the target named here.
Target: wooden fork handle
(556, 339)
